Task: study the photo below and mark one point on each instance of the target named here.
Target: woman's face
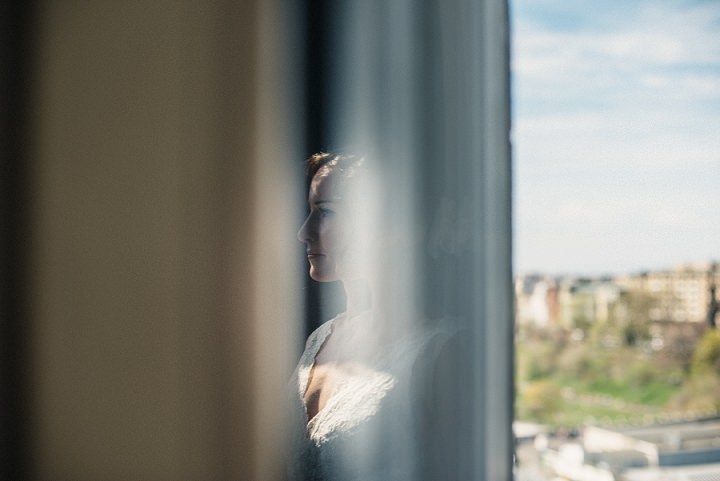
(328, 230)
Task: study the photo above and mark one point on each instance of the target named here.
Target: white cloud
(616, 139)
(655, 40)
(580, 228)
(637, 140)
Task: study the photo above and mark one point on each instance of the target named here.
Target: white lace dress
(369, 429)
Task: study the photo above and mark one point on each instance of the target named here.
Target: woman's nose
(303, 233)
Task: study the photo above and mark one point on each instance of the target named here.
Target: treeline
(621, 371)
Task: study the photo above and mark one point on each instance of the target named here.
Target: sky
(616, 134)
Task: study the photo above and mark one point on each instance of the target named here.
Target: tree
(706, 357)
(631, 316)
(540, 401)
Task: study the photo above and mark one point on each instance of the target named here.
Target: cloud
(580, 228)
(652, 39)
(615, 130)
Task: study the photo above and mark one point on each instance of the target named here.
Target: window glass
(615, 127)
(420, 93)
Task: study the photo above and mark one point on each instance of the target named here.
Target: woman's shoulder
(320, 332)
(419, 347)
(318, 336)
(445, 344)
(438, 334)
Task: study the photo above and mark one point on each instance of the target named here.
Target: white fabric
(366, 430)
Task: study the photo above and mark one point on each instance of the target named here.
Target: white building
(683, 293)
(680, 451)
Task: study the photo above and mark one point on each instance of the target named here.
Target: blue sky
(616, 111)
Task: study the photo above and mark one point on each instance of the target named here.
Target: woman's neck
(358, 297)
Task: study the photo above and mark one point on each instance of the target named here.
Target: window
(165, 285)
(615, 143)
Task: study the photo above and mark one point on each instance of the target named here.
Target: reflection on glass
(413, 381)
(377, 392)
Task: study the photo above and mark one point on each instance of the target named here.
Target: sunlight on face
(331, 229)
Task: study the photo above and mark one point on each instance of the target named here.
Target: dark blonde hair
(347, 164)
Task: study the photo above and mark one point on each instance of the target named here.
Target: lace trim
(360, 396)
(354, 400)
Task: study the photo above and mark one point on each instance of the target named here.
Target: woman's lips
(313, 255)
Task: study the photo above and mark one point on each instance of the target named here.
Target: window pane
(420, 91)
(616, 121)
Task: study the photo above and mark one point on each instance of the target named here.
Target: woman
(375, 397)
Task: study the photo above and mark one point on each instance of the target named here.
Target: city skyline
(616, 135)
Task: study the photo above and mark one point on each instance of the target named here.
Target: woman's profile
(376, 394)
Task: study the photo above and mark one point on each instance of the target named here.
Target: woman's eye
(325, 212)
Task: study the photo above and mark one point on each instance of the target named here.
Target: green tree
(701, 392)
(631, 316)
(680, 341)
(540, 401)
(706, 357)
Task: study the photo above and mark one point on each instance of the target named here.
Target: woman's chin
(321, 276)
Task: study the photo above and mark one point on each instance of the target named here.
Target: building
(535, 300)
(688, 293)
(697, 472)
(564, 302)
(677, 444)
(682, 294)
(679, 451)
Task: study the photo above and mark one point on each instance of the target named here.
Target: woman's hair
(347, 164)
